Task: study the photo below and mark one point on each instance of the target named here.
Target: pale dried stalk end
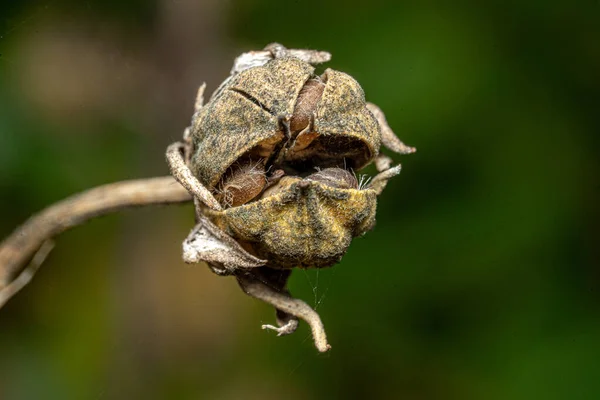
(380, 180)
(383, 162)
(285, 329)
(27, 274)
(275, 50)
(199, 103)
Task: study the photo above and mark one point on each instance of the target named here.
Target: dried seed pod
(277, 110)
(274, 108)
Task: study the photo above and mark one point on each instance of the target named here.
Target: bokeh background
(480, 281)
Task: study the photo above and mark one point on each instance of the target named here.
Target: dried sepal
(207, 243)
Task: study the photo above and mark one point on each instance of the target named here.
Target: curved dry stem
(388, 137)
(27, 274)
(282, 301)
(26, 243)
(182, 173)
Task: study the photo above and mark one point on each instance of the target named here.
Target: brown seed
(335, 177)
(306, 103)
(242, 183)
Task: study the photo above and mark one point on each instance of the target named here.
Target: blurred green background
(480, 281)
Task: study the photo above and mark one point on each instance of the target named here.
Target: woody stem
(27, 244)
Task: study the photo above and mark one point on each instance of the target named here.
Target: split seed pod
(291, 120)
(270, 161)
